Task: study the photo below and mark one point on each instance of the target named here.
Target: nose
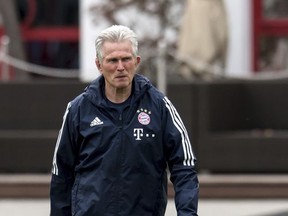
(120, 66)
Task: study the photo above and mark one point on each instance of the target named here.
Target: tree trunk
(12, 30)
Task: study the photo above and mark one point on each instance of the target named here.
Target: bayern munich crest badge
(143, 118)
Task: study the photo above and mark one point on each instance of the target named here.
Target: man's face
(118, 65)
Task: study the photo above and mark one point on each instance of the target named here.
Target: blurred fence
(8, 62)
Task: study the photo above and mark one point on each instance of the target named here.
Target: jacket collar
(95, 91)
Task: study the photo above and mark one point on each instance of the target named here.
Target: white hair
(115, 33)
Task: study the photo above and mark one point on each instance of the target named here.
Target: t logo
(138, 133)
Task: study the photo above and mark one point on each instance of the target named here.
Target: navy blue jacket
(105, 165)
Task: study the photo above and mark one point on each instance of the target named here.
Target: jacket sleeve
(181, 161)
(63, 167)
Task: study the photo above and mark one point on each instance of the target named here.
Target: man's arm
(63, 168)
(186, 187)
(181, 161)
(60, 196)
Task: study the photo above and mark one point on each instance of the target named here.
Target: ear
(98, 65)
(138, 60)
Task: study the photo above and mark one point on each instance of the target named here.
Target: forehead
(114, 48)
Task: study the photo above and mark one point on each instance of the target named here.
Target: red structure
(264, 26)
(41, 35)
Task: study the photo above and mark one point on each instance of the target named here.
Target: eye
(126, 59)
(113, 60)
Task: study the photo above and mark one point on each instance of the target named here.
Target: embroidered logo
(95, 122)
(139, 133)
(144, 116)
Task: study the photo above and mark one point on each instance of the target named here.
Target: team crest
(144, 116)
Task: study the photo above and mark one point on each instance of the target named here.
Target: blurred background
(222, 63)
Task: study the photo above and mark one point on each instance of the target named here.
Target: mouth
(121, 77)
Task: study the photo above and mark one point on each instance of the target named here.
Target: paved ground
(40, 207)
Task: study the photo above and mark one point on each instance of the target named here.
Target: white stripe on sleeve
(186, 145)
(55, 166)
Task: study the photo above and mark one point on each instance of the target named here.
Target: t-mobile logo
(138, 133)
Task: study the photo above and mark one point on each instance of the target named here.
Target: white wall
(239, 58)
(88, 33)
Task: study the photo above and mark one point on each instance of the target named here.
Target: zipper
(121, 159)
(120, 118)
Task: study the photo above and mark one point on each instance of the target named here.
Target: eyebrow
(119, 58)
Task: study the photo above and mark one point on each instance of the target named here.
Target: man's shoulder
(77, 101)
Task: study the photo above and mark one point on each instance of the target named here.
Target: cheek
(108, 69)
(132, 65)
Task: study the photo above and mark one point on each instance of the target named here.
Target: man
(116, 139)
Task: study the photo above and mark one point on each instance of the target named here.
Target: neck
(117, 95)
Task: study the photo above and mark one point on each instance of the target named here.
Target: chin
(122, 85)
